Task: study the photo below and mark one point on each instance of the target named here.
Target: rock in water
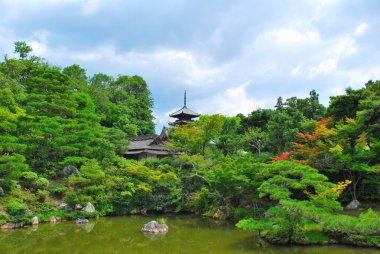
(155, 227)
(35, 220)
(353, 205)
(81, 221)
(89, 208)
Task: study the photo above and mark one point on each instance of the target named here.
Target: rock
(70, 170)
(35, 220)
(376, 233)
(134, 211)
(221, 213)
(89, 208)
(333, 241)
(53, 220)
(155, 228)
(62, 206)
(267, 215)
(10, 225)
(78, 207)
(1, 192)
(81, 221)
(353, 205)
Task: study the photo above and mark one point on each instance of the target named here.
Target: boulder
(221, 213)
(78, 207)
(353, 205)
(62, 206)
(10, 225)
(81, 221)
(376, 233)
(70, 170)
(89, 208)
(155, 228)
(1, 192)
(35, 220)
(267, 215)
(53, 220)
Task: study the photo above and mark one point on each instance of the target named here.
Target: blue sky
(230, 56)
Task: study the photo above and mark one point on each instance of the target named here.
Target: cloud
(361, 29)
(326, 67)
(288, 36)
(230, 102)
(231, 56)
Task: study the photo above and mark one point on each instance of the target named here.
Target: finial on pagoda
(184, 99)
(184, 115)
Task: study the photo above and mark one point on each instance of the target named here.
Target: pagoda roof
(184, 111)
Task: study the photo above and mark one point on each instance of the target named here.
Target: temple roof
(152, 144)
(184, 111)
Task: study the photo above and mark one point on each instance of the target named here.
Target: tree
(134, 102)
(279, 105)
(255, 139)
(78, 78)
(12, 159)
(343, 106)
(23, 49)
(282, 130)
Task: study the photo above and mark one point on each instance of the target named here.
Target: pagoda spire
(184, 99)
(184, 115)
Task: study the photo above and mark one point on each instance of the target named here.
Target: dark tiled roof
(153, 144)
(184, 111)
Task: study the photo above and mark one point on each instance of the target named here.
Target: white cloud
(90, 6)
(296, 70)
(288, 36)
(230, 102)
(326, 67)
(360, 29)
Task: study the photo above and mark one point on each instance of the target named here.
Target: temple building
(153, 146)
(145, 147)
(184, 115)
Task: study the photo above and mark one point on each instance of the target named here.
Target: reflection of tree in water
(121, 235)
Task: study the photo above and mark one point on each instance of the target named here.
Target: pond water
(187, 234)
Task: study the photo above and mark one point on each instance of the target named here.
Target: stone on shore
(10, 225)
(35, 220)
(353, 205)
(89, 208)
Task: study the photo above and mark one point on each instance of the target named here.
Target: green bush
(16, 207)
(42, 183)
(59, 190)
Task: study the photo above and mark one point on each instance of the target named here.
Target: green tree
(22, 49)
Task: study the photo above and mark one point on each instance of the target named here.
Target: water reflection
(187, 235)
(88, 227)
(154, 236)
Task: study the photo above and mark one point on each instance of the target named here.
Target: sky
(231, 56)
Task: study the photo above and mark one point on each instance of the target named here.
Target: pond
(187, 234)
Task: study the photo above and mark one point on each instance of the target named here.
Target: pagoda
(184, 115)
